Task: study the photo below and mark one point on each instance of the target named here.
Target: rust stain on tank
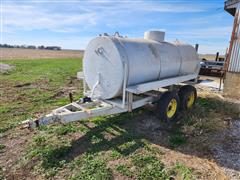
(153, 50)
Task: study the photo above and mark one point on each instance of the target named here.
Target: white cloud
(210, 39)
(204, 20)
(69, 42)
(63, 16)
(205, 33)
(212, 48)
(148, 5)
(29, 17)
(81, 17)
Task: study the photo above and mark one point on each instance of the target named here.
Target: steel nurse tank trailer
(123, 74)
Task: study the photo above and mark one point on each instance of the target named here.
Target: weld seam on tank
(160, 71)
(125, 57)
(160, 64)
(181, 60)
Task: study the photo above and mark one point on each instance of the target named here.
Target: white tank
(147, 59)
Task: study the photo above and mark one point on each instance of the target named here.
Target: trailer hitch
(30, 123)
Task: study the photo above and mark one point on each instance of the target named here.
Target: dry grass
(14, 53)
(209, 56)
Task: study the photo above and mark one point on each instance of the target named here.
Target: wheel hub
(190, 100)
(172, 108)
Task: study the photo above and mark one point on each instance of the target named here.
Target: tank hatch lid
(155, 35)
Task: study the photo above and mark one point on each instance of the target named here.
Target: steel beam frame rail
(77, 111)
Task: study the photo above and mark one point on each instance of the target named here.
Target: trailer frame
(133, 97)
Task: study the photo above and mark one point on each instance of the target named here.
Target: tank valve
(99, 51)
(85, 99)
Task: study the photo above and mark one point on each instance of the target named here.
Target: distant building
(53, 48)
(31, 47)
(232, 81)
(41, 47)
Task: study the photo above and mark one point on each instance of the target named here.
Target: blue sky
(71, 24)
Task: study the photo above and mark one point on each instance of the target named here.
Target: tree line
(30, 47)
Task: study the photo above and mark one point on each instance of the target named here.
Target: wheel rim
(172, 108)
(190, 100)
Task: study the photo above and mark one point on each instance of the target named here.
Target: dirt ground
(17, 53)
(202, 144)
(212, 154)
(225, 144)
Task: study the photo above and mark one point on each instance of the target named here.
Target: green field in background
(30, 86)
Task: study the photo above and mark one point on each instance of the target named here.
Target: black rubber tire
(163, 103)
(184, 93)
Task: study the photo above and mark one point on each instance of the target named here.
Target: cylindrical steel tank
(148, 59)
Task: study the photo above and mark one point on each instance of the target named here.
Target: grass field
(127, 146)
(36, 85)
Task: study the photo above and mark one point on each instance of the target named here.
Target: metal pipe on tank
(196, 47)
(217, 55)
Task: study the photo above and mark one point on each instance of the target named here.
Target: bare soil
(214, 161)
(213, 155)
(17, 53)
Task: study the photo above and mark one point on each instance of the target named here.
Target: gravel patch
(227, 150)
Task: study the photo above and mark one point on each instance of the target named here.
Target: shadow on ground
(133, 128)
